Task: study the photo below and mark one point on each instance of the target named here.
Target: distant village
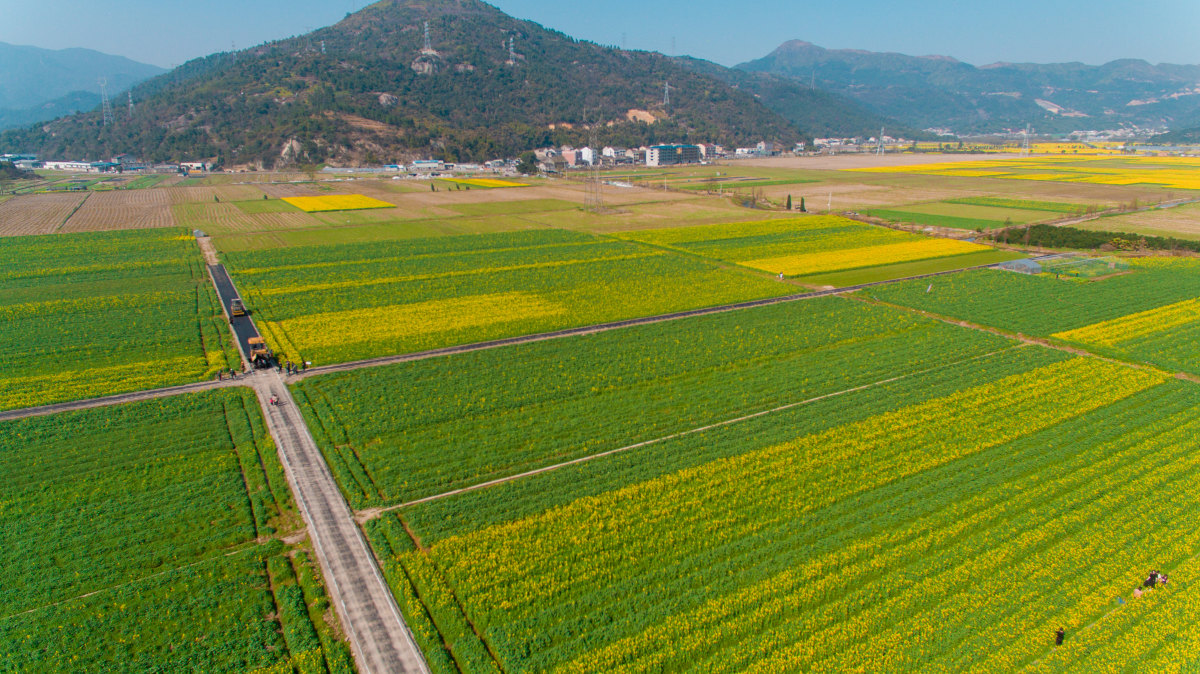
(548, 160)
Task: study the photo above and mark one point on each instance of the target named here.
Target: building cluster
(122, 163)
(558, 159)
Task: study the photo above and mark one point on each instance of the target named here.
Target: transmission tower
(130, 94)
(105, 104)
(428, 48)
(512, 53)
(880, 150)
(1025, 142)
(667, 94)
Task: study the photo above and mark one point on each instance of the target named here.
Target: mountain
(939, 91)
(1190, 136)
(38, 84)
(818, 112)
(368, 90)
(70, 104)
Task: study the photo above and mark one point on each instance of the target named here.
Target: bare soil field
(125, 209)
(37, 213)
(1181, 222)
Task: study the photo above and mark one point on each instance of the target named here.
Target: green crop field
(1148, 314)
(985, 216)
(1020, 204)
(100, 313)
(339, 303)
(460, 426)
(265, 206)
(146, 535)
(805, 245)
(144, 182)
(945, 520)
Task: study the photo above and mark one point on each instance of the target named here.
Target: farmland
(339, 303)
(805, 245)
(335, 202)
(1177, 173)
(158, 552)
(93, 314)
(605, 391)
(956, 491)
(1146, 315)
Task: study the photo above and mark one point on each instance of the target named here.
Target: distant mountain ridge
(38, 84)
(942, 92)
(367, 90)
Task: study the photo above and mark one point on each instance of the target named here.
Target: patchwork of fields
(805, 246)
(1147, 315)
(94, 314)
(837, 533)
(158, 552)
(978, 212)
(843, 483)
(340, 303)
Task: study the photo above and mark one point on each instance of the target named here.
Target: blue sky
(169, 32)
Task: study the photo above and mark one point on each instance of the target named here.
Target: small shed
(1022, 266)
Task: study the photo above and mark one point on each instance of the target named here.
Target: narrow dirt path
(210, 253)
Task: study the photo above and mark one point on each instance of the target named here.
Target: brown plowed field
(37, 213)
(123, 209)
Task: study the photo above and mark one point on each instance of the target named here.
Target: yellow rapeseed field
(336, 202)
(869, 256)
(1135, 326)
(1169, 172)
(405, 321)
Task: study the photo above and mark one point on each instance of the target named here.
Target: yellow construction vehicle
(236, 308)
(260, 355)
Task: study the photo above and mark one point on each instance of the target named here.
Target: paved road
(242, 326)
(381, 640)
(604, 327)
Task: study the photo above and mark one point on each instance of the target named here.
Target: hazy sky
(169, 32)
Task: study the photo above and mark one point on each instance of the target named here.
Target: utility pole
(594, 196)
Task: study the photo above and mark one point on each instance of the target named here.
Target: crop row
(559, 588)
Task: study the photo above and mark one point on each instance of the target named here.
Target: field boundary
(369, 514)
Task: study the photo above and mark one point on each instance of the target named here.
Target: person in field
(1137, 593)
(1059, 636)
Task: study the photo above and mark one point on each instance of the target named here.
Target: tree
(528, 164)
(789, 202)
(802, 208)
